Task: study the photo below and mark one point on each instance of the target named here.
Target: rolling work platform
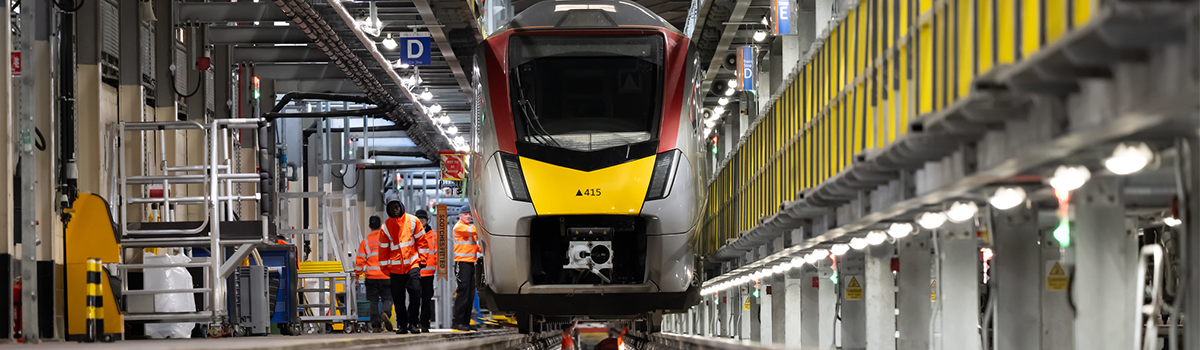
(221, 230)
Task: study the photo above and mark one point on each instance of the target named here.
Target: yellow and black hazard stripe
(94, 308)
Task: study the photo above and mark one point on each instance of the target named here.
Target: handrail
(144, 126)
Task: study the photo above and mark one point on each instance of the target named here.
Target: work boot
(424, 328)
(401, 330)
(463, 328)
(414, 329)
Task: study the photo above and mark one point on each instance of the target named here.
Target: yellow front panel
(622, 188)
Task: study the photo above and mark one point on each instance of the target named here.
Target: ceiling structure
(319, 46)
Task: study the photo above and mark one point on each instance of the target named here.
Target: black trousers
(379, 295)
(465, 297)
(409, 283)
(426, 300)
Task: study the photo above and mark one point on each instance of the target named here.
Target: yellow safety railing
(884, 63)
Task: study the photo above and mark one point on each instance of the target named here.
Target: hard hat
(391, 196)
(466, 209)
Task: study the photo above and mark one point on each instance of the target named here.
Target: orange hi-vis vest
(405, 238)
(466, 248)
(429, 256)
(367, 258)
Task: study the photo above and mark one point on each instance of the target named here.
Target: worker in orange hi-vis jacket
(378, 281)
(466, 253)
(430, 259)
(406, 236)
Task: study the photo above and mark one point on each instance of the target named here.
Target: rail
(666, 341)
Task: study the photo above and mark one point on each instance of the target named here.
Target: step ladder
(218, 232)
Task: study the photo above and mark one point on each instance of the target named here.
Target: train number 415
(589, 192)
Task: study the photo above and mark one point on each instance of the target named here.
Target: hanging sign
(443, 240)
(781, 11)
(453, 166)
(415, 48)
(745, 58)
(854, 290)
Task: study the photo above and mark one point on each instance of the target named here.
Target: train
(588, 169)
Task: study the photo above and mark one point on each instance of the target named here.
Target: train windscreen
(586, 93)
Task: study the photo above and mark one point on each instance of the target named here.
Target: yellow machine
(91, 234)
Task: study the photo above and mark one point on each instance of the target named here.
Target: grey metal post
(1016, 282)
(779, 309)
(880, 298)
(827, 299)
(913, 298)
(851, 284)
(791, 328)
(32, 17)
(810, 308)
(1189, 151)
(1105, 263)
(958, 287)
(1058, 327)
(764, 314)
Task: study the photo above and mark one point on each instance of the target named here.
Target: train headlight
(663, 176)
(510, 167)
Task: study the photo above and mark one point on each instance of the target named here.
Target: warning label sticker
(746, 306)
(933, 291)
(854, 290)
(1057, 278)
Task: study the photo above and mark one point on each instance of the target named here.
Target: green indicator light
(755, 294)
(834, 277)
(1062, 234)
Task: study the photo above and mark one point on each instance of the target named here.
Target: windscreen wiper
(528, 112)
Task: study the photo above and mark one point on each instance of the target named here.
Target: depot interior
(927, 174)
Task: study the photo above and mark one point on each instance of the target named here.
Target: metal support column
(852, 306)
(28, 107)
(810, 308)
(763, 312)
(1057, 321)
(792, 309)
(827, 299)
(1105, 262)
(880, 297)
(1190, 165)
(914, 296)
(1016, 282)
(779, 309)
(958, 287)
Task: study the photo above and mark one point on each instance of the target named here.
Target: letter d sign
(416, 51)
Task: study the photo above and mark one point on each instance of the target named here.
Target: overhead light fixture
(778, 269)
(723, 101)
(811, 258)
(1069, 178)
(731, 83)
(435, 108)
(931, 220)
(460, 139)
(900, 229)
(764, 21)
(444, 119)
(426, 95)
(389, 43)
(1006, 198)
(1128, 158)
(730, 91)
(401, 65)
(962, 211)
(876, 237)
(821, 253)
(760, 35)
(452, 130)
(858, 243)
(707, 130)
(1172, 221)
(718, 110)
(839, 249)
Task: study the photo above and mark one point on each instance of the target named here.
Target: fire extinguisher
(17, 310)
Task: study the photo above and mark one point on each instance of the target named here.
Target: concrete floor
(274, 342)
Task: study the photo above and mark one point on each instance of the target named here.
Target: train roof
(577, 14)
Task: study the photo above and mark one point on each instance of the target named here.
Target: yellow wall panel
(1006, 31)
(925, 70)
(1030, 27)
(1056, 20)
(983, 35)
(1082, 12)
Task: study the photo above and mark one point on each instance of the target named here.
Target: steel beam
(827, 305)
(1017, 278)
(214, 12)
(256, 35)
(1058, 321)
(342, 86)
(727, 36)
(34, 17)
(294, 54)
(301, 71)
(443, 44)
(1105, 292)
(913, 299)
